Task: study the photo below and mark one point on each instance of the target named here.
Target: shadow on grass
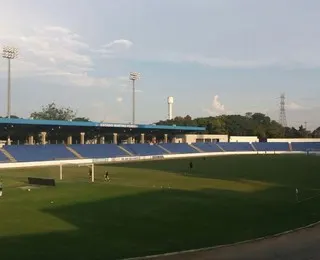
(287, 170)
(160, 221)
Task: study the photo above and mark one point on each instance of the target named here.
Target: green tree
(81, 119)
(316, 133)
(216, 125)
(12, 116)
(275, 130)
(248, 114)
(252, 124)
(304, 132)
(52, 112)
(291, 132)
(188, 118)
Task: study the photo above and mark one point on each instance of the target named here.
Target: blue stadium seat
(236, 147)
(3, 158)
(26, 153)
(98, 150)
(30, 153)
(207, 147)
(270, 147)
(305, 146)
(143, 149)
(179, 148)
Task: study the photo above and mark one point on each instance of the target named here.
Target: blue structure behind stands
(144, 149)
(29, 153)
(305, 146)
(234, 147)
(98, 150)
(208, 147)
(268, 147)
(3, 158)
(179, 148)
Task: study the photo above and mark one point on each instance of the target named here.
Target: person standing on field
(106, 176)
(1, 187)
(190, 166)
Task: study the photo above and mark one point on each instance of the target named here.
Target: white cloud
(83, 80)
(53, 60)
(216, 107)
(119, 99)
(48, 45)
(56, 29)
(295, 106)
(212, 61)
(114, 47)
(229, 61)
(122, 42)
(209, 60)
(57, 53)
(216, 104)
(219, 62)
(129, 89)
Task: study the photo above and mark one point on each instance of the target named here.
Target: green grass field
(156, 207)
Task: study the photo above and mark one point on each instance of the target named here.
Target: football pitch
(156, 206)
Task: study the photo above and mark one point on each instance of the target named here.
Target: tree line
(54, 112)
(250, 124)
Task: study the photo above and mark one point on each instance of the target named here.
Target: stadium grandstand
(27, 140)
(29, 131)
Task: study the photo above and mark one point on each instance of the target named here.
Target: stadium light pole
(133, 77)
(9, 53)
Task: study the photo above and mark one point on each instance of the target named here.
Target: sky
(213, 56)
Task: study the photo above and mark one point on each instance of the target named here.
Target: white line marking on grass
(309, 198)
(29, 187)
(131, 185)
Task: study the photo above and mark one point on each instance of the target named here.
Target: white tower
(170, 104)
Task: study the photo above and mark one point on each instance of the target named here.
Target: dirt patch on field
(303, 244)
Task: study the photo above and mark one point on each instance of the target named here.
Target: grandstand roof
(102, 126)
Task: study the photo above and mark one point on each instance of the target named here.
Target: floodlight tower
(170, 104)
(133, 77)
(9, 53)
